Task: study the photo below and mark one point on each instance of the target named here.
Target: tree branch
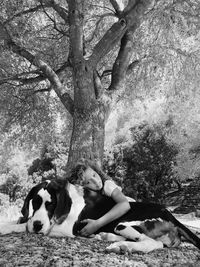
(130, 6)
(38, 78)
(130, 68)
(116, 7)
(106, 73)
(48, 89)
(48, 72)
(53, 21)
(76, 9)
(122, 62)
(130, 18)
(19, 77)
(97, 25)
(24, 12)
(57, 7)
(108, 41)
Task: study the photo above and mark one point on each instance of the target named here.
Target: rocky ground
(42, 251)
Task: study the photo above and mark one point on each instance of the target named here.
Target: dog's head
(45, 204)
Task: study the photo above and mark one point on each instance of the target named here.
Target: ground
(41, 251)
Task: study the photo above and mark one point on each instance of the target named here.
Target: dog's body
(57, 208)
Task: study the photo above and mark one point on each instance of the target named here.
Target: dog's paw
(120, 247)
(114, 248)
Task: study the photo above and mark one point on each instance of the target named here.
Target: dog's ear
(64, 201)
(25, 208)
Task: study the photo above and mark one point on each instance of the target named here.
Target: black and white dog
(57, 208)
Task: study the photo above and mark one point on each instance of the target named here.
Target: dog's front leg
(8, 228)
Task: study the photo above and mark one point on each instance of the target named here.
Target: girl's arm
(121, 207)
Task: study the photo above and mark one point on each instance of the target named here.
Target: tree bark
(87, 140)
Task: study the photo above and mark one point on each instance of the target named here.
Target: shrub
(20, 175)
(146, 167)
(11, 187)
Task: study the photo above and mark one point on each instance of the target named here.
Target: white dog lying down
(57, 208)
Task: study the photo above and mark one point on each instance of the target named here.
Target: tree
(32, 36)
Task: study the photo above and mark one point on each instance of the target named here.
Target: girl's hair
(82, 166)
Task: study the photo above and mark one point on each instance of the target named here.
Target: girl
(91, 176)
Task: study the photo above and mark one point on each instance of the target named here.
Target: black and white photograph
(100, 133)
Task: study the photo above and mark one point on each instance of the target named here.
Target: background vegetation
(152, 141)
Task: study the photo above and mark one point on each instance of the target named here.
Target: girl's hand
(90, 228)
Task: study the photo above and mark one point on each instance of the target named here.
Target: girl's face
(91, 179)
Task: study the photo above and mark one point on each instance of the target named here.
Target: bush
(11, 187)
(114, 166)
(146, 167)
(19, 174)
(52, 161)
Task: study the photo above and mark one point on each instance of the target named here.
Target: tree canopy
(89, 55)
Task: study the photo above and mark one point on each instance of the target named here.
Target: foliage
(145, 167)
(22, 171)
(162, 80)
(11, 187)
(51, 162)
(13, 172)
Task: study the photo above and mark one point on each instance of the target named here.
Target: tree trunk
(87, 140)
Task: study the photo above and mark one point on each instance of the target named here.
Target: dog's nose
(37, 226)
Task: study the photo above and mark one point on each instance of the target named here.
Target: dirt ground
(42, 251)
